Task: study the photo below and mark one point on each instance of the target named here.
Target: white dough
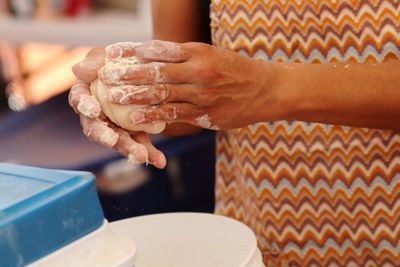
(119, 114)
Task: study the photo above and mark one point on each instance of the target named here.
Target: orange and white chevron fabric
(314, 194)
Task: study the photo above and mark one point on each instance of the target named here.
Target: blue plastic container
(43, 210)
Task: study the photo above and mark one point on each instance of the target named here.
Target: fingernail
(88, 107)
(137, 117)
(113, 51)
(161, 163)
(108, 138)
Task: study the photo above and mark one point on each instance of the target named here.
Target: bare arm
(219, 89)
(178, 21)
(363, 95)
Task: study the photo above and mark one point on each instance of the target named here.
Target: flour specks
(203, 121)
(89, 106)
(117, 50)
(114, 70)
(158, 77)
(123, 93)
(287, 67)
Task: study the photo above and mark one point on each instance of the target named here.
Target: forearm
(178, 21)
(362, 95)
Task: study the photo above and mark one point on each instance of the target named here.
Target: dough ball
(119, 114)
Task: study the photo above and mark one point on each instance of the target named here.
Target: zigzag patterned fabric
(314, 194)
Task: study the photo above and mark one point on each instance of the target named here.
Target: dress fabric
(314, 194)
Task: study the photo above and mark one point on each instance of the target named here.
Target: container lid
(43, 210)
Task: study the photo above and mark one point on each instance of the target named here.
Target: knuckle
(201, 48)
(208, 72)
(205, 48)
(157, 43)
(207, 96)
(160, 72)
(171, 112)
(152, 114)
(197, 48)
(163, 92)
(151, 43)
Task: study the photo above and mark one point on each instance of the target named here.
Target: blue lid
(43, 210)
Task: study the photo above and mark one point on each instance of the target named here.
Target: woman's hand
(214, 88)
(136, 147)
(192, 83)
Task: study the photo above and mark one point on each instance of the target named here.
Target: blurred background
(39, 42)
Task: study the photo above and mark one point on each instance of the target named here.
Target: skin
(188, 81)
(192, 85)
(179, 21)
(182, 26)
(136, 146)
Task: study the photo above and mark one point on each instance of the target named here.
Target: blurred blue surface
(49, 135)
(43, 210)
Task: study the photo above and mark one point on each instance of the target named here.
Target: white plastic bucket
(190, 240)
(100, 248)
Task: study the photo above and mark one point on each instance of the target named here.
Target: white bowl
(190, 240)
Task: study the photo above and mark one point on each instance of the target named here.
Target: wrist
(303, 91)
(283, 87)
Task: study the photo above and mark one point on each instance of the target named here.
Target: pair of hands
(193, 83)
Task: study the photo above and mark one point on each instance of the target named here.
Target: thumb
(87, 69)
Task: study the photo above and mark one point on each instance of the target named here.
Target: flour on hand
(119, 114)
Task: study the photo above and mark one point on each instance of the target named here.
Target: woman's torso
(314, 194)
